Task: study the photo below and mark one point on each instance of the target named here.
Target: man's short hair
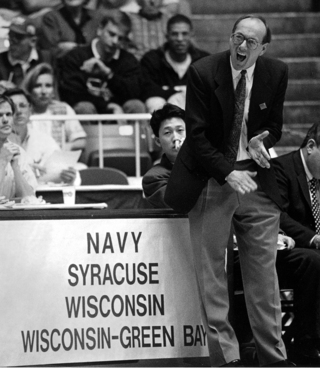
(4, 99)
(118, 18)
(179, 18)
(313, 133)
(267, 36)
(168, 111)
(17, 91)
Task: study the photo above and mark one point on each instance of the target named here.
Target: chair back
(101, 176)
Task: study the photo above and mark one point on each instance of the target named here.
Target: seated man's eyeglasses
(238, 39)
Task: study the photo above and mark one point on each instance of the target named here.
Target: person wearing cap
(22, 54)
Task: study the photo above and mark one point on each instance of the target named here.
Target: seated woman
(40, 84)
(16, 176)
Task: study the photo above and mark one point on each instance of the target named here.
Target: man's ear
(264, 49)
(311, 145)
(157, 141)
(33, 41)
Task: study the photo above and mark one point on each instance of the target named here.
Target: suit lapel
(301, 176)
(224, 91)
(261, 94)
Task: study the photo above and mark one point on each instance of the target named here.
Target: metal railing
(102, 119)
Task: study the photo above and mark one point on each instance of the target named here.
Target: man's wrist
(227, 177)
(315, 242)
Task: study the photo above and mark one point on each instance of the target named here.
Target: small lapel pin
(263, 106)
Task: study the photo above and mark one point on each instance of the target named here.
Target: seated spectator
(68, 26)
(148, 26)
(101, 77)
(132, 6)
(40, 84)
(169, 129)
(23, 54)
(12, 8)
(165, 69)
(16, 176)
(38, 145)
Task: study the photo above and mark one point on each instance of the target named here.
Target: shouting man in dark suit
(298, 175)
(223, 178)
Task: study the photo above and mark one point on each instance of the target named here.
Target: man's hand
(94, 64)
(3, 200)
(68, 175)
(316, 242)
(285, 242)
(257, 150)
(67, 46)
(241, 181)
(9, 152)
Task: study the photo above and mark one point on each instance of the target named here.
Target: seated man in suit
(298, 175)
(168, 127)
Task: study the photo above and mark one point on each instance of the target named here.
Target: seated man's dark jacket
(124, 85)
(159, 76)
(6, 68)
(155, 181)
(296, 218)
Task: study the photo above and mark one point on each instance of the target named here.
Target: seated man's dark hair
(313, 133)
(17, 91)
(4, 99)
(178, 18)
(117, 18)
(168, 111)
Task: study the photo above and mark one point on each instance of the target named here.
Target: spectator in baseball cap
(22, 54)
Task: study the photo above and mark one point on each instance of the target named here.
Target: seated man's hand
(316, 242)
(68, 176)
(241, 181)
(3, 200)
(257, 150)
(39, 170)
(67, 45)
(9, 152)
(286, 242)
(178, 143)
(96, 65)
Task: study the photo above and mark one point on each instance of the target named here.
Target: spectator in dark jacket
(102, 77)
(165, 69)
(68, 26)
(22, 54)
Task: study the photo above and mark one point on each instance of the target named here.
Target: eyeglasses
(238, 39)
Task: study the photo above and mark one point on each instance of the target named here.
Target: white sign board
(97, 290)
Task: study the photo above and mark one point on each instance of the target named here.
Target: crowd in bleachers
(97, 57)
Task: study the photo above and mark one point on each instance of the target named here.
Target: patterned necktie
(315, 203)
(234, 137)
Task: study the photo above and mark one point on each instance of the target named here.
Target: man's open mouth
(240, 57)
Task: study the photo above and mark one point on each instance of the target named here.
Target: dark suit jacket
(209, 117)
(155, 181)
(296, 219)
